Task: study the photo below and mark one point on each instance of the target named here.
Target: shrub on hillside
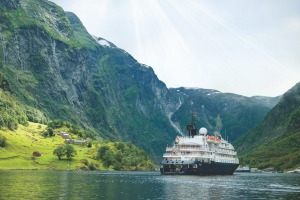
(2, 141)
(59, 152)
(57, 123)
(124, 155)
(65, 150)
(50, 131)
(89, 144)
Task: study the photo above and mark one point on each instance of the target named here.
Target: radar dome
(203, 131)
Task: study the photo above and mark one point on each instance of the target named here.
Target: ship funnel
(203, 131)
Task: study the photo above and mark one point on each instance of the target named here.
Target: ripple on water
(145, 185)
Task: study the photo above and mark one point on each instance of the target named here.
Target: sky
(239, 46)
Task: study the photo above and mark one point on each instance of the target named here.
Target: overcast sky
(240, 46)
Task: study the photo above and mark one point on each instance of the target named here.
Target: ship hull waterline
(199, 168)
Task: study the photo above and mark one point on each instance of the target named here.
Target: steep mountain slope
(55, 67)
(13, 112)
(238, 113)
(275, 141)
(53, 64)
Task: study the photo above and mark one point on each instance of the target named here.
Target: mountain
(57, 70)
(275, 141)
(53, 64)
(238, 114)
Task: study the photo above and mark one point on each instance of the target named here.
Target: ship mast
(191, 127)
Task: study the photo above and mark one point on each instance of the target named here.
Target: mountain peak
(104, 42)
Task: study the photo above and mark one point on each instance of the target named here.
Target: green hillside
(275, 141)
(22, 133)
(52, 68)
(238, 113)
(21, 143)
(54, 65)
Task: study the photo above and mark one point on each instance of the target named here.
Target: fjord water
(145, 185)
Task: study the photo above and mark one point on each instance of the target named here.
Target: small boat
(294, 171)
(243, 169)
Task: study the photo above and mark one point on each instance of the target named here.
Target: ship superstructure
(199, 154)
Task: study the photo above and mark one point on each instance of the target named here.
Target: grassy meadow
(20, 145)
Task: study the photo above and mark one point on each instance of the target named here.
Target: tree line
(124, 156)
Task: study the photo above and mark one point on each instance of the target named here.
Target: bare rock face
(55, 65)
(237, 113)
(9, 4)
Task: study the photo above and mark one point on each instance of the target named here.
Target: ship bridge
(196, 140)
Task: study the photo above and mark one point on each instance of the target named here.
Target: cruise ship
(199, 154)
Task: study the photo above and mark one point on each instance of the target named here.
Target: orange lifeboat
(213, 138)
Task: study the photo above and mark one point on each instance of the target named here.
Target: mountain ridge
(238, 113)
(76, 79)
(53, 64)
(274, 142)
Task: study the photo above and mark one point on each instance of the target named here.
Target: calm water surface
(145, 185)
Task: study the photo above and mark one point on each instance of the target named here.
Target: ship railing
(226, 160)
(189, 148)
(170, 154)
(169, 149)
(187, 155)
(228, 152)
(193, 149)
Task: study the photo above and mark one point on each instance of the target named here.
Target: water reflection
(145, 185)
(196, 187)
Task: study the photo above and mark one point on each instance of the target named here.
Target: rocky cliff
(53, 64)
(234, 114)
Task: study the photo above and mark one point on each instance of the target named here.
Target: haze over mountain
(238, 113)
(243, 47)
(51, 64)
(275, 141)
